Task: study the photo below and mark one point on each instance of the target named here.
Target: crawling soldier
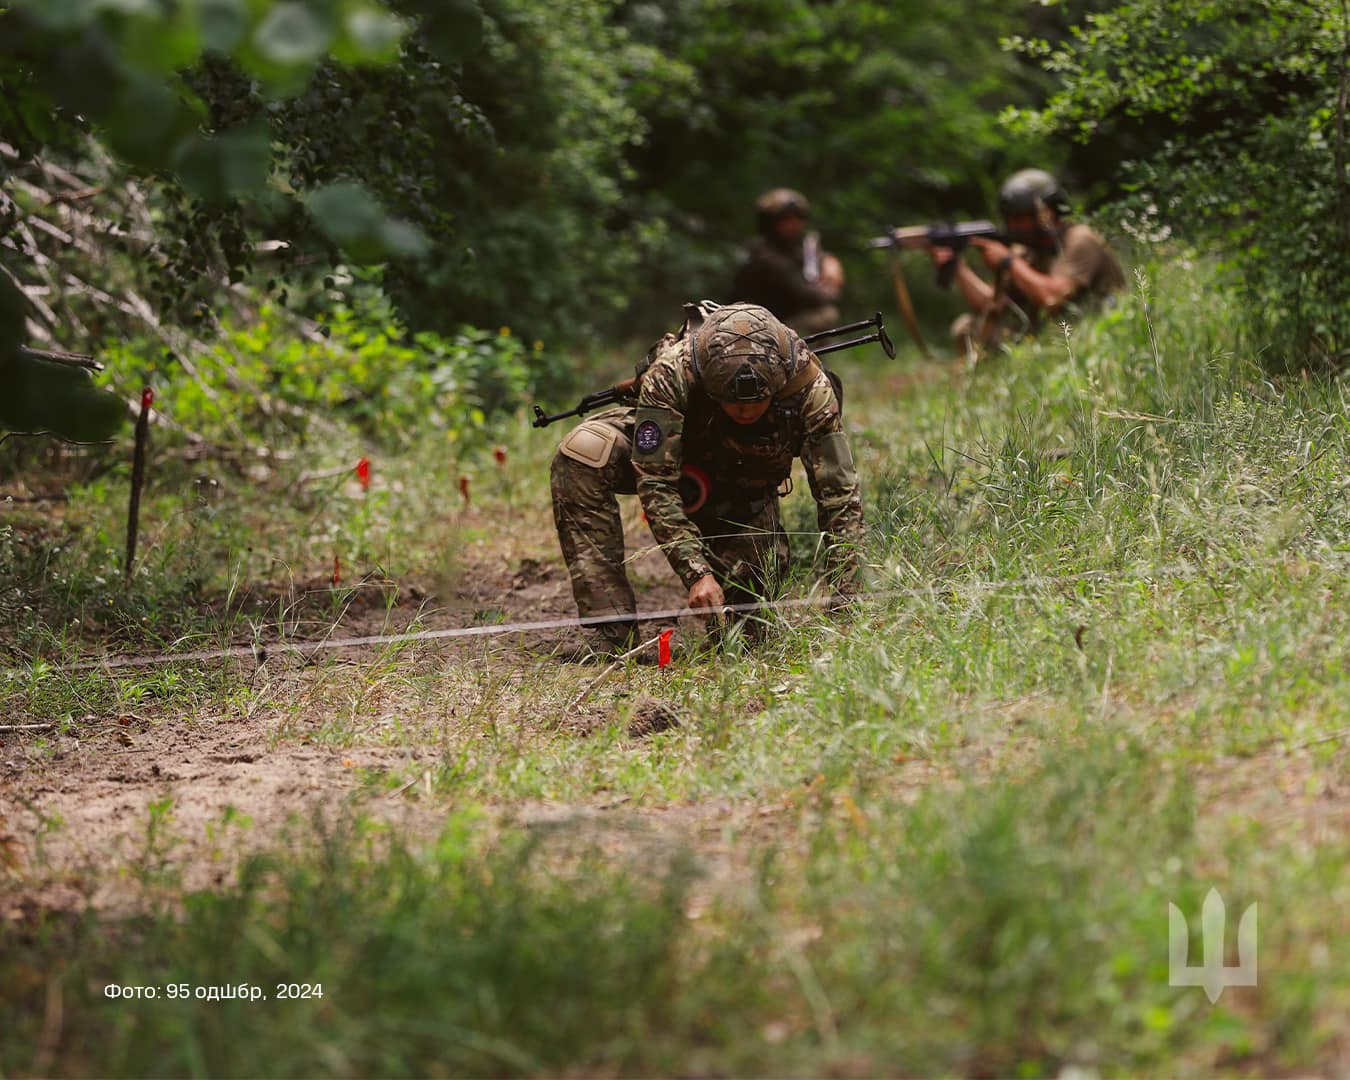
(722, 410)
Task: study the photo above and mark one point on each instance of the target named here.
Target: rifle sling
(800, 381)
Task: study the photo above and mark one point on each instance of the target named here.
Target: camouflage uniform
(736, 533)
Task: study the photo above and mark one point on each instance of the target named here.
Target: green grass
(1105, 667)
(1014, 926)
(427, 960)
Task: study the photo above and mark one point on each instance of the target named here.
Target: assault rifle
(622, 391)
(627, 390)
(955, 237)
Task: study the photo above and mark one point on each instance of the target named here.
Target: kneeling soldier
(722, 409)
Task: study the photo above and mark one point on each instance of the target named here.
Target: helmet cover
(743, 354)
(779, 203)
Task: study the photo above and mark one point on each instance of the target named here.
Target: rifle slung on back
(627, 391)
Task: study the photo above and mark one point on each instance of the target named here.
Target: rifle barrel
(943, 235)
(607, 396)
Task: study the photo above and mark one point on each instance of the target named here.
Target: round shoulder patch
(648, 436)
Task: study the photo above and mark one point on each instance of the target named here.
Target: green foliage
(43, 396)
(264, 381)
(538, 237)
(118, 67)
(568, 168)
(1236, 112)
(880, 112)
(354, 221)
(126, 73)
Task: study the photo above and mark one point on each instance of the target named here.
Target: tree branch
(70, 359)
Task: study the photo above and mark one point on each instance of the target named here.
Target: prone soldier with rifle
(705, 436)
(1042, 263)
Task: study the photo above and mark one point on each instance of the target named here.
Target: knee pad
(590, 443)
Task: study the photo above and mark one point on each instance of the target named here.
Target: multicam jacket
(677, 424)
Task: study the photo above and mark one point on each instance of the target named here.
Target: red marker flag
(464, 488)
(500, 455)
(663, 649)
(147, 398)
(363, 473)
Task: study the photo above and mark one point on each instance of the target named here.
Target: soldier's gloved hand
(706, 593)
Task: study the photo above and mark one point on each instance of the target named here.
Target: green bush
(1235, 114)
(265, 380)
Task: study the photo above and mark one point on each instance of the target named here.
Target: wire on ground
(260, 651)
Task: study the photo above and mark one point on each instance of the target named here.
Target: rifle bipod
(880, 336)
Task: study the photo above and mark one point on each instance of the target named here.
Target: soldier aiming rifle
(1042, 263)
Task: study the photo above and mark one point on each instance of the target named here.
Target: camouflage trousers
(743, 537)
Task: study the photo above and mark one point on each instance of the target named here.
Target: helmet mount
(748, 387)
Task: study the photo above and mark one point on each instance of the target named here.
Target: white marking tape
(308, 649)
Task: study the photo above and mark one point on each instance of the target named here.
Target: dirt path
(156, 788)
(76, 804)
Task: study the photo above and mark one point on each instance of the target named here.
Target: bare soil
(76, 808)
(75, 805)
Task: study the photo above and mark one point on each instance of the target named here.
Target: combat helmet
(780, 203)
(742, 354)
(1027, 190)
